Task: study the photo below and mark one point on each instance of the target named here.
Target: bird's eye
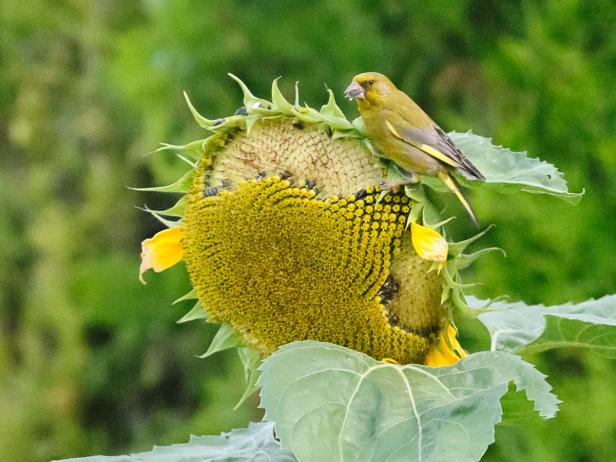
(370, 82)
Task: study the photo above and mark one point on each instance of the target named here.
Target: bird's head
(369, 88)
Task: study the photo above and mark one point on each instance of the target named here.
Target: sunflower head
(287, 236)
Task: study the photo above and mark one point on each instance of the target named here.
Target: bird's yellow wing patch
(438, 155)
(394, 132)
(422, 147)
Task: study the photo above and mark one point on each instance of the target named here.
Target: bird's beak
(354, 91)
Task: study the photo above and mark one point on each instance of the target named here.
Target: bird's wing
(434, 141)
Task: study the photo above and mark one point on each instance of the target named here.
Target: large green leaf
(519, 328)
(508, 171)
(253, 444)
(334, 404)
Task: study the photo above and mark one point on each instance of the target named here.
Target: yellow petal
(429, 244)
(447, 350)
(161, 251)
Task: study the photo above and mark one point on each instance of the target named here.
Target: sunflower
(287, 235)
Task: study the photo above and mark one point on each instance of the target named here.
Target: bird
(405, 134)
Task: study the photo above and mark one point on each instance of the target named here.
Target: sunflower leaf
(255, 443)
(331, 403)
(508, 171)
(520, 328)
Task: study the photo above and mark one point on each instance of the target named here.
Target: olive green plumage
(406, 134)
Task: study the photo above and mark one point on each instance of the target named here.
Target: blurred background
(93, 362)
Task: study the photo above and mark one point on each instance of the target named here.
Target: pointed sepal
(196, 312)
(226, 337)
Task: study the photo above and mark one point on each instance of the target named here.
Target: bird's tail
(453, 186)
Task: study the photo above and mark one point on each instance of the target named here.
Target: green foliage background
(92, 362)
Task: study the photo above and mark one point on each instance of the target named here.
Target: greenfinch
(407, 135)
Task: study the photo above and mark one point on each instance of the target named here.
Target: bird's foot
(394, 185)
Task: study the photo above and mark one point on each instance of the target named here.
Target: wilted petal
(161, 251)
(429, 244)
(447, 350)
